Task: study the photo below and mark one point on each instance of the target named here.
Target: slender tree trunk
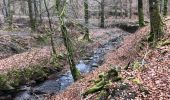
(5, 9)
(60, 7)
(161, 6)
(40, 10)
(126, 11)
(156, 23)
(32, 22)
(10, 15)
(102, 14)
(140, 13)
(51, 29)
(165, 8)
(116, 8)
(130, 9)
(35, 12)
(86, 17)
(23, 7)
(121, 8)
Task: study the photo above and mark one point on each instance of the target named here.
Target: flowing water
(65, 80)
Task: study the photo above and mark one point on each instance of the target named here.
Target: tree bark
(40, 10)
(10, 15)
(60, 7)
(165, 8)
(140, 13)
(51, 29)
(130, 9)
(156, 23)
(32, 22)
(5, 8)
(86, 18)
(35, 11)
(102, 14)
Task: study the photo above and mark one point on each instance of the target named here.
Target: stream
(85, 65)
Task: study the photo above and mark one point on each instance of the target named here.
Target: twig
(147, 52)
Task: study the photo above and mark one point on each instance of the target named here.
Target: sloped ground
(150, 80)
(156, 76)
(119, 57)
(147, 77)
(38, 55)
(12, 44)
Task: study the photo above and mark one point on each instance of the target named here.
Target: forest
(84, 50)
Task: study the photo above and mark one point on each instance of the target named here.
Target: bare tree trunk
(126, 5)
(40, 10)
(10, 15)
(161, 5)
(51, 29)
(86, 18)
(130, 9)
(121, 8)
(60, 7)
(35, 12)
(157, 28)
(5, 9)
(165, 8)
(23, 9)
(102, 14)
(116, 8)
(140, 13)
(32, 22)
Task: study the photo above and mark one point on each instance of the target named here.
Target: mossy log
(167, 42)
(105, 80)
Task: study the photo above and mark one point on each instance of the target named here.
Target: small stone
(160, 59)
(86, 58)
(94, 65)
(86, 61)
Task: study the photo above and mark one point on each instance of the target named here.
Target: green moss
(163, 43)
(14, 78)
(166, 42)
(39, 74)
(136, 81)
(157, 24)
(103, 83)
(140, 13)
(54, 60)
(136, 65)
(42, 39)
(165, 8)
(27, 74)
(4, 84)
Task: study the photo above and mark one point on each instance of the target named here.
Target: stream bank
(85, 65)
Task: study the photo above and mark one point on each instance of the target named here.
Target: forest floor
(149, 80)
(37, 55)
